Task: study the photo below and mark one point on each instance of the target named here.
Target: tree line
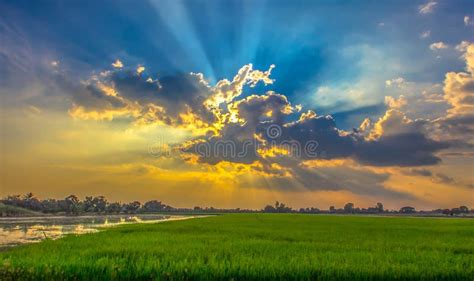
(72, 205)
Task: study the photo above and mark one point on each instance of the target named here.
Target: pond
(21, 230)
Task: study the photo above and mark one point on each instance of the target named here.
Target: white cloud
(427, 8)
(438, 46)
(462, 47)
(468, 21)
(458, 86)
(425, 34)
(397, 82)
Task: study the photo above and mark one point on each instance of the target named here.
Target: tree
(72, 204)
(88, 204)
(114, 207)
(131, 207)
(282, 208)
(455, 211)
(380, 207)
(269, 209)
(100, 203)
(464, 209)
(154, 206)
(332, 209)
(50, 206)
(407, 210)
(349, 208)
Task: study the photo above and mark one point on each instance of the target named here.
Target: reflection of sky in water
(14, 231)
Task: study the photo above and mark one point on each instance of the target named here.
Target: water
(17, 230)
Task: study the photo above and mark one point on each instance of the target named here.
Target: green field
(257, 247)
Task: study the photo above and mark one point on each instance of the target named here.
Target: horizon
(28, 197)
(238, 104)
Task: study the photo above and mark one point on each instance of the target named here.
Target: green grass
(257, 247)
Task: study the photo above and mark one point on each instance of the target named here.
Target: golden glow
(117, 64)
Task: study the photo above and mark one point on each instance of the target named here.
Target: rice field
(256, 247)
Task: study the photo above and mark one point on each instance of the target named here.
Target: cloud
(395, 103)
(436, 177)
(459, 87)
(265, 133)
(117, 64)
(427, 8)
(397, 82)
(396, 140)
(183, 99)
(458, 124)
(462, 47)
(140, 69)
(425, 34)
(468, 21)
(420, 172)
(438, 46)
(334, 176)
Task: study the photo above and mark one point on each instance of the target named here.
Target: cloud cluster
(178, 100)
(458, 124)
(269, 133)
(230, 125)
(394, 140)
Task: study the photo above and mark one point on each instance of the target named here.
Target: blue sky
(312, 43)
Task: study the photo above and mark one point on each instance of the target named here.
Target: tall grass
(256, 247)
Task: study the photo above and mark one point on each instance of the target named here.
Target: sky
(239, 103)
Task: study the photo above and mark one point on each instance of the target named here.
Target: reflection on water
(15, 231)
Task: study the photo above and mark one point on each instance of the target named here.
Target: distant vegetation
(13, 211)
(72, 205)
(256, 247)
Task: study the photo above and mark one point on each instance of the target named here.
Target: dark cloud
(399, 144)
(420, 172)
(92, 97)
(265, 129)
(438, 177)
(413, 149)
(335, 178)
(177, 94)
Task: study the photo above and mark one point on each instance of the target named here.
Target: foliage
(100, 205)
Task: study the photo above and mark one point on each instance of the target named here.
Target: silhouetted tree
(349, 208)
(407, 210)
(100, 203)
(380, 207)
(72, 204)
(154, 206)
(89, 204)
(269, 209)
(114, 207)
(131, 207)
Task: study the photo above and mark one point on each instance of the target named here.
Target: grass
(256, 247)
